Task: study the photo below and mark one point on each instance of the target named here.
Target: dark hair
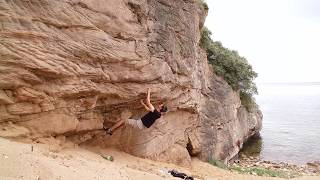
(164, 108)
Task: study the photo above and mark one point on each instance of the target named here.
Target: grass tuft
(217, 163)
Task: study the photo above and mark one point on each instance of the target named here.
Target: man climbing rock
(146, 121)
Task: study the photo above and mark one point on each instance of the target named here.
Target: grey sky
(280, 38)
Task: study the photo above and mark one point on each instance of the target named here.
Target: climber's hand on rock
(148, 91)
(148, 96)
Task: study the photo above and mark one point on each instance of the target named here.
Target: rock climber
(145, 122)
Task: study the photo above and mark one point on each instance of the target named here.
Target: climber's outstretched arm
(145, 106)
(151, 107)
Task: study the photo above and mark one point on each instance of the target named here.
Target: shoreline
(250, 164)
(253, 147)
(248, 161)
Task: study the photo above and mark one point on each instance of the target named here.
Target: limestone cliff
(69, 66)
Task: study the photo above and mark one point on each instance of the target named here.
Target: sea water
(291, 123)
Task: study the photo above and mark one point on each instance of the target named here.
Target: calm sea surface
(291, 123)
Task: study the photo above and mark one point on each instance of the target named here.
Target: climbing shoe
(108, 130)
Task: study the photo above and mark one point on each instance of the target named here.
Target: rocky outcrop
(67, 67)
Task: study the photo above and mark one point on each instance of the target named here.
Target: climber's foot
(108, 130)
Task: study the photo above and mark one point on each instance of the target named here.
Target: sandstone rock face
(67, 67)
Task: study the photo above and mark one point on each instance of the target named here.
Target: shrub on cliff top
(203, 4)
(234, 68)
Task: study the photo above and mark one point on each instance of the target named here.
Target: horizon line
(306, 82)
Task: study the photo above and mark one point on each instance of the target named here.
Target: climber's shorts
(136, 123)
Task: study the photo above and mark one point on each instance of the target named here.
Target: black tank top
(150, 118)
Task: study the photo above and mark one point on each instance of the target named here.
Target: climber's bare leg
(117, 125)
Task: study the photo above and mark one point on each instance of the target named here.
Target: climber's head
(162, 108)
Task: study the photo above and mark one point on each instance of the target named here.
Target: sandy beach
(35, 161)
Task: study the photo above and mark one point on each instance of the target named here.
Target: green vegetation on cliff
(234, 68)
(203, 4)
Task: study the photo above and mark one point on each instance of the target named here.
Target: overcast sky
(280, 38)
